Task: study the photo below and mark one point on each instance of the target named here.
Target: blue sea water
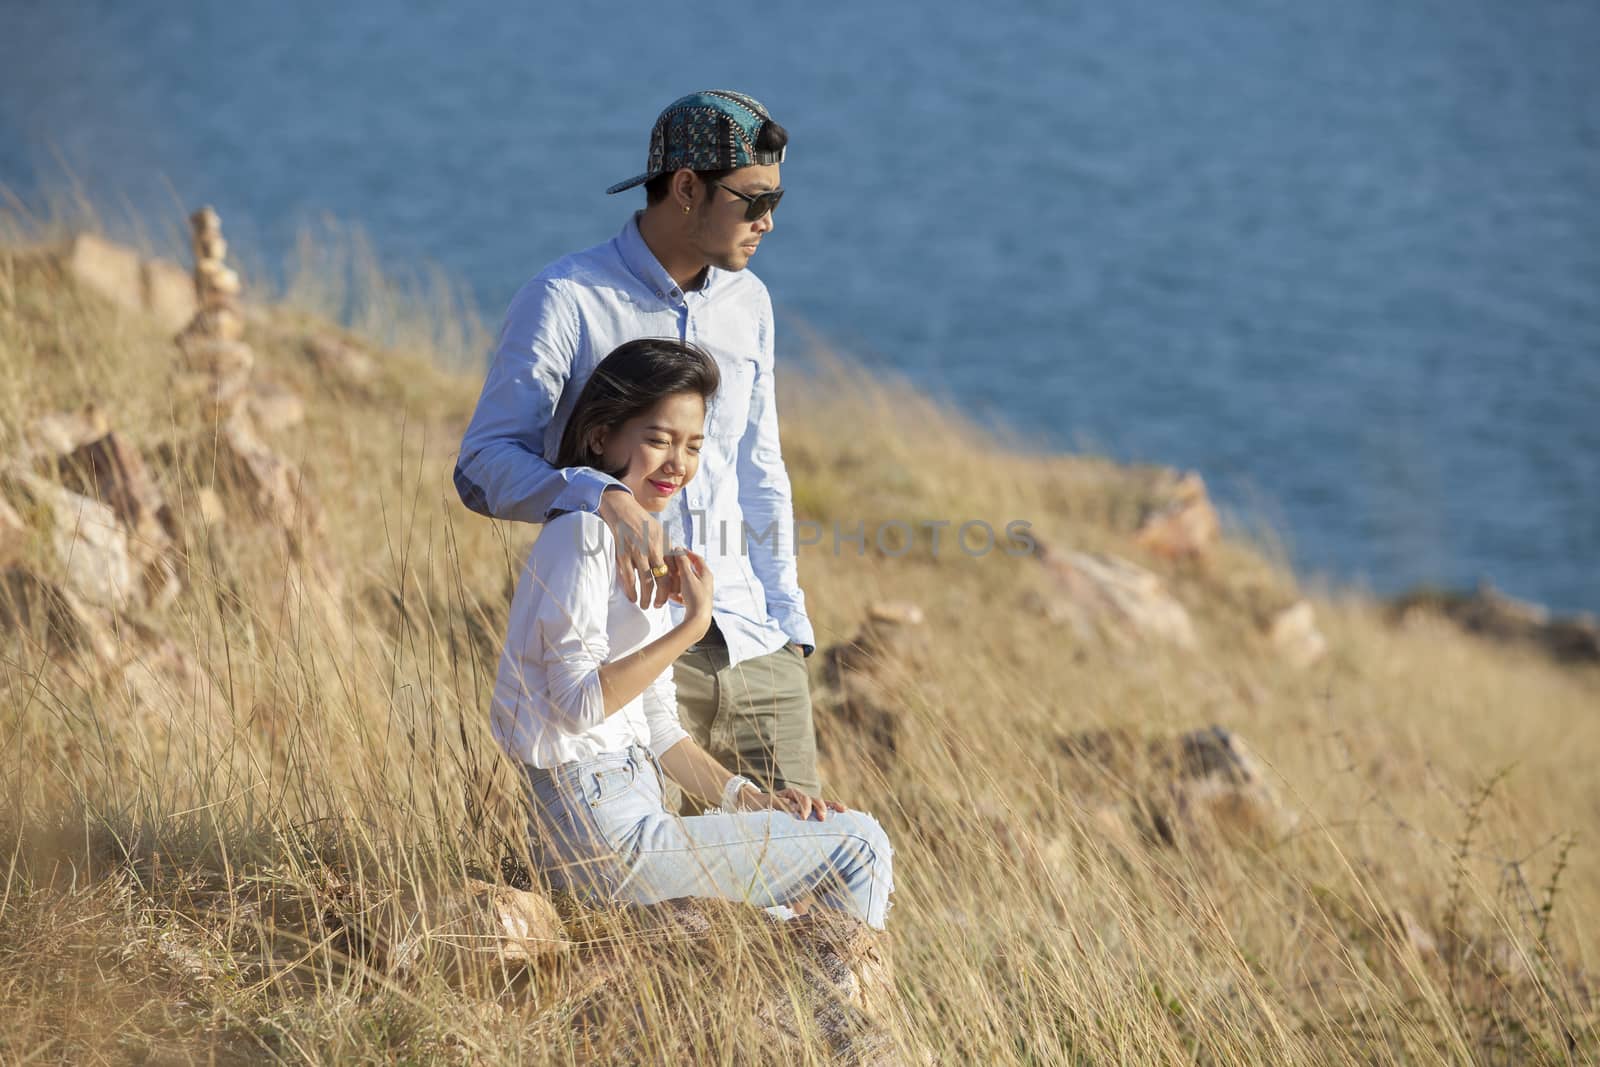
(1343, 259)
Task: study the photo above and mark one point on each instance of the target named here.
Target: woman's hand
(800, 805)
(694, 586)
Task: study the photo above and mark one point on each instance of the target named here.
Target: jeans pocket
(607, 784)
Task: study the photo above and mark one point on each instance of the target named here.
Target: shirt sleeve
(767, 500)
(502, 470)
(661, 714)
(574, 575)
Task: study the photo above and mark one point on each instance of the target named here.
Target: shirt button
(676, 294)
(660, 295)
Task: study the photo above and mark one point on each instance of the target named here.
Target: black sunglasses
(756, 205)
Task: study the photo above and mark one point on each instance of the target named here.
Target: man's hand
(641, 548)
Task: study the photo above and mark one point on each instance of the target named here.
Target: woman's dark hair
(771, 138)
(630, 381)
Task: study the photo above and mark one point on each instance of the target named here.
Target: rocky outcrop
(275, 407)
(53, 435)
(1173, 788)
(341, 362)
(109, 469)
(271, 486)
(156, 287)
(844, 977)
(168, 293)
(216, 369)
(1491, 614)
(54, 619)
(107, 522)
(89, 546)
(860, 703)
(1183, 524)
(1103, 596)
(1293, 634)
(480, 922)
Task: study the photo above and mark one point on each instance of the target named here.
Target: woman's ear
(596, 443)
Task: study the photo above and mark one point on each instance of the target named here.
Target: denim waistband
(548, 780)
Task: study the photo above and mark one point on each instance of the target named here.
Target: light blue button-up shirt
(737, 511)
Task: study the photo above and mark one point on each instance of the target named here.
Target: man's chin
(735, 261)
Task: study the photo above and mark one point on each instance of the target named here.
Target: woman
(584, 697)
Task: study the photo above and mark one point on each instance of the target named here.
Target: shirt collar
(643, 265)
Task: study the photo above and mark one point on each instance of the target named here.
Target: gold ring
(659, 570)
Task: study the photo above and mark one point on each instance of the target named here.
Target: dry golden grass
(181, 860)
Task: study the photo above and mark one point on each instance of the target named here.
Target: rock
(275, 407)
(272, 484)
(341, 361)
(54, 435)
(13, 534)
(481, 922)
(1173, 787)
(90, 544)
(1293, 632)
(845, 992)
(168, 293)
(62, 624)
(224, 281)
(1491, 614)
(890, 635)
(1102, 594)
(849, 975)
(862, 678)
(221, 322)
(1183, 528)
(157, 287)
(216, 286)
(107, 268)
(111, 471)
(215, 372)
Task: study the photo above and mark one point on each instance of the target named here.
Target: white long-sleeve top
(569, 615)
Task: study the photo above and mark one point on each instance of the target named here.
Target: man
(677, 269)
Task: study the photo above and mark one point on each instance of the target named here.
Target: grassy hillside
(219, 798)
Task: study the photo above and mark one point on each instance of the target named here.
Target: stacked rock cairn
(215, 283)
(216, 364)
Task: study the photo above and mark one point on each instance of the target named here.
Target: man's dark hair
(772, 138)
(634, 378)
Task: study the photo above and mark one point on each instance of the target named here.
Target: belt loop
(650, 758)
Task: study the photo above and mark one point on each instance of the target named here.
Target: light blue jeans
(600, 828)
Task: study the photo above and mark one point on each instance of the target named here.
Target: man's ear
(684, 188)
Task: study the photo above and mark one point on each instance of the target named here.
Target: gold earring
(686, 209)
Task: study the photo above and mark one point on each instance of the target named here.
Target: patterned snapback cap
(710, 130)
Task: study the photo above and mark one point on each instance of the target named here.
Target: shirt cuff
(797, 628)
(583, 490)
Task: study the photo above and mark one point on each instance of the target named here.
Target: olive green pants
(755, 716)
